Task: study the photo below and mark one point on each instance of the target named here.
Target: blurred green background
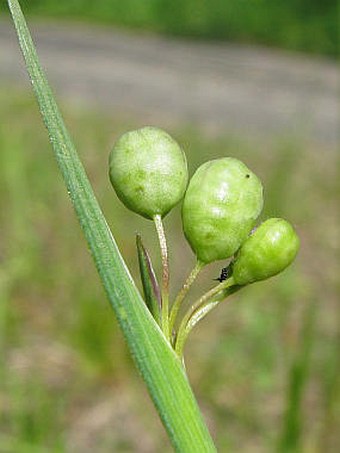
(264, 368)
(305, 25)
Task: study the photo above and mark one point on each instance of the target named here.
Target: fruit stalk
(165, 275)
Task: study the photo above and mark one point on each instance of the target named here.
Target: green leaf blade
(158, 364)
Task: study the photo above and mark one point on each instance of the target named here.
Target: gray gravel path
(220, 88)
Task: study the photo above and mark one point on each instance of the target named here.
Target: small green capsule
(148, 171)
(268, 251)
(222, 202)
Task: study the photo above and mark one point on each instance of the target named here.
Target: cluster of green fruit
(222, 201)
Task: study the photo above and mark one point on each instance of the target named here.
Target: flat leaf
(151, 289)
(158, 364)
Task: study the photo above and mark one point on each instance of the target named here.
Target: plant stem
(199, 309)
(183, 292)
(165, 275)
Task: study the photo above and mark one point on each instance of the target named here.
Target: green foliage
(49, 302)
(158, 364)
(56, 324)
(299, 25)
(297, 380)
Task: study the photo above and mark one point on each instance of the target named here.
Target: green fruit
(148, 171)
(268, 251)
(222, 202)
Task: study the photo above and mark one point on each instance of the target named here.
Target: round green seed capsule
(268, 251)
(148, 171)
(222, 202)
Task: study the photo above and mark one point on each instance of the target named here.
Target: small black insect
(225, 273)
(247, 176)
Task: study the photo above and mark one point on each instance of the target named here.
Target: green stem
(165, 275)
(201, 308)
(183, 292)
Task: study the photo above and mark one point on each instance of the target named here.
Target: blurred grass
(304, 25)
(265, 368)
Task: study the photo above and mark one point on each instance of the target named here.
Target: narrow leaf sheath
(155, 359)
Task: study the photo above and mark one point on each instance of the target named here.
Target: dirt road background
(221, 88)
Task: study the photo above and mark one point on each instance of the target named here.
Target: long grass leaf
(155, 359)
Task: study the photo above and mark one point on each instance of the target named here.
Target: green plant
(157, 354)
